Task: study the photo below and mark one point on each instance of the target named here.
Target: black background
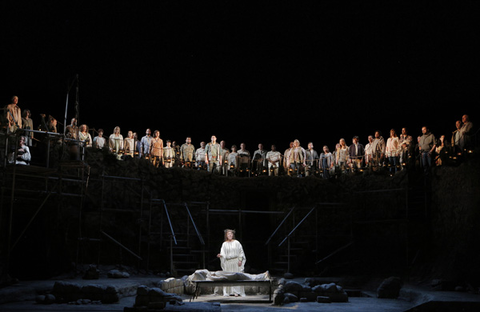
(260, 72)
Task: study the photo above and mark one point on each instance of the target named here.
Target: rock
(334, 292)
(92, 273)
(141, 301)
(289, 297)
(278, 298)
(338, 297)
(323, 299)
(49, 299)
(40, 299)
(288, 275)
(142, 290)
(442, 285)
(93, 291)
(293, 287)
(308, 296)
(66, 291)
(154, 297)
(117, 274)
(390, 288)
(157, 305)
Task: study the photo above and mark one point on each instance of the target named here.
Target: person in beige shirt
(168, 155)
(187, 152)
(129, 144)
(13, 115)
(156, 149)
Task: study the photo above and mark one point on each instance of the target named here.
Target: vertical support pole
(288, 255)
(407, 256)
(12, 201)
(171, 254)
(48, 151)
(140, 226)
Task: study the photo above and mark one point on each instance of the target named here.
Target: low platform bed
(204, 284)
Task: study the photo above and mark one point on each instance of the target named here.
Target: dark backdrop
(263, 72)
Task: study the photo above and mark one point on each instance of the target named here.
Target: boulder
(390, 288)
(289, 297)
(334, 292)
(323, 299)
(293, 287)
(92, 273)
(117, 274)
(66, 291)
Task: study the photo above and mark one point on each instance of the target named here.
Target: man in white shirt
(273, 159)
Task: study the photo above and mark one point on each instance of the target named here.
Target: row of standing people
(398, 151)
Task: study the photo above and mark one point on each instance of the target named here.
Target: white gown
(231, 253)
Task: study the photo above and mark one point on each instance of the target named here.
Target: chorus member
(224, 155)
(466, 133)
(13, 115)
(427, 144)
(369, 151)
(43, 123)
(176, 153)
(243, 158)
(213, 155)
(297, 158)
(27, 124)
(138, 145)
(187, 153)
(327, 162)
(22, 155)
(273, 160)
(258, 159)
(410, 161)
(168, 155)
(405, 155)
(392, 151)
(71, 130)
(145, 143)
(115, 141)
(99, 141)
(456, 136)
(311, 156)
(356, 153)
(403, 135)
(156, 149)
(286, 157)
(341, 155)
(440, 151)
(129, 144)
(52, 124)
(378, 147)
(84, 136)
(200, 156)
(232, 159)
(232, 259)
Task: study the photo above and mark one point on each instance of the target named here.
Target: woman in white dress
(232, 259)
